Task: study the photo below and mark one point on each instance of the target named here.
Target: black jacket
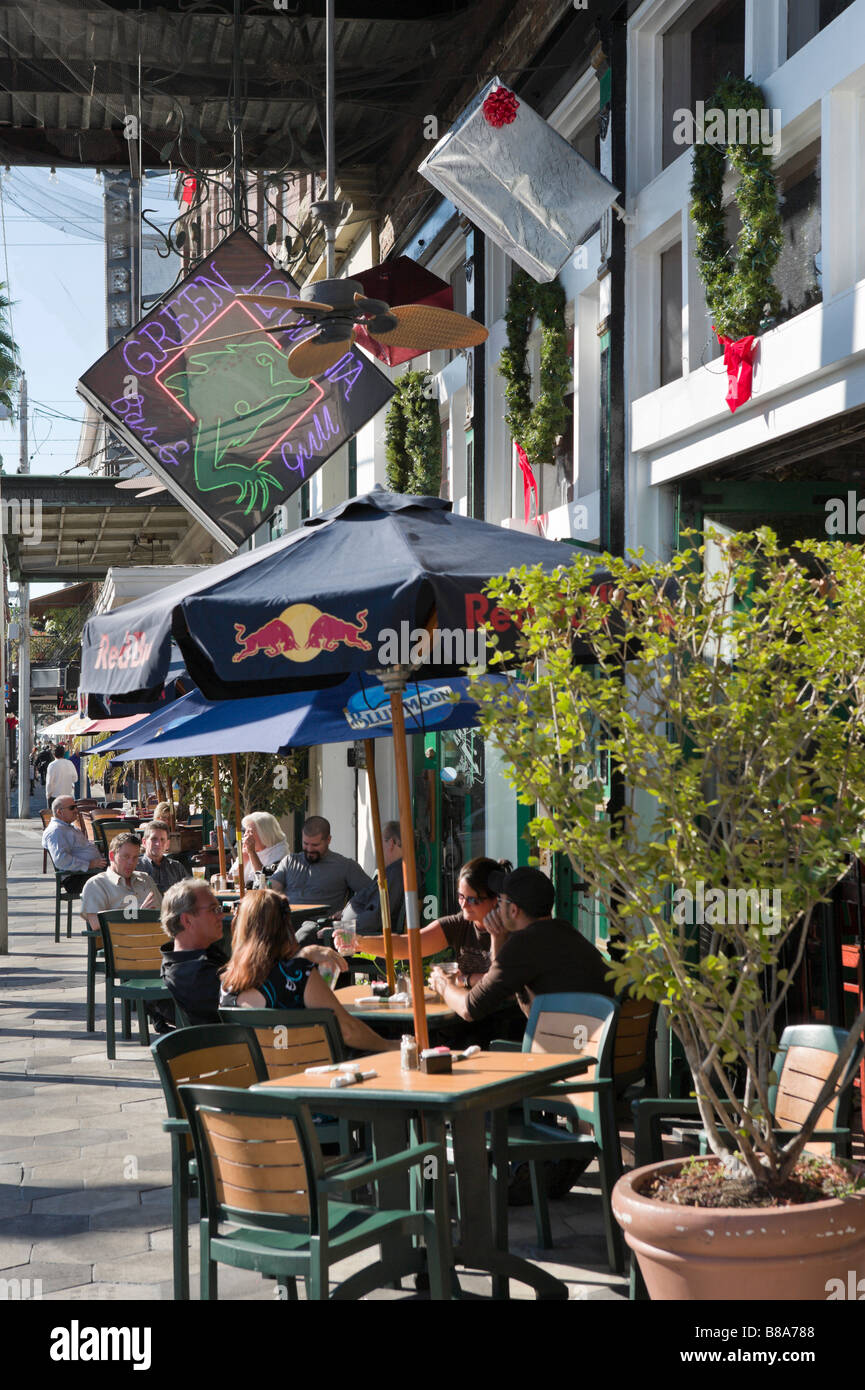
(192, 979)
(367, 903)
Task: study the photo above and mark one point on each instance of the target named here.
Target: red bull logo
(300, 633)
(133, 651)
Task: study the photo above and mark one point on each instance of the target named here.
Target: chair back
(213, 1054)
(258, 1157)
(807, 1053)
(633, 1055)
(107, 830)
(46, 818)
(291, 1039)
(580, 1023)
(131, 944)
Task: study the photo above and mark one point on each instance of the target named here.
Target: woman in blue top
(265, 971)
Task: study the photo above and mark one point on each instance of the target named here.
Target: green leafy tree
(266, 782)
(734, 706)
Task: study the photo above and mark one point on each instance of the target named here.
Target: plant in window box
(734, 706)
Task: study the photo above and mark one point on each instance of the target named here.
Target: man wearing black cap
(531, 952)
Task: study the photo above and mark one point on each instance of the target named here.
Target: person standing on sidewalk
(61, 776)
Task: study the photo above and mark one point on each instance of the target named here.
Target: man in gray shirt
(317, 875)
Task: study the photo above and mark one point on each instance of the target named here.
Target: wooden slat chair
(96, 966)
(63, 895)
(132, 962)
(105, 831)
(561, 1023)
(46, 818)
(213, 1054)
(850, 895)
(262, 1169)
(292, 1040)
(634, 1053)
(806, 1055)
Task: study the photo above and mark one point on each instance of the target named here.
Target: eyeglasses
(211, 907)
(471, 902)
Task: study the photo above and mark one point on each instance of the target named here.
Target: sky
(52, 259)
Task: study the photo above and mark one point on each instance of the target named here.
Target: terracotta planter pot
(733, 1253)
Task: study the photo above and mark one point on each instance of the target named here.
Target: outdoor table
(229, 897)
(436, 1011)
(487, 1082)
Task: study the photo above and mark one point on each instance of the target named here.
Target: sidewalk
(85, 1200)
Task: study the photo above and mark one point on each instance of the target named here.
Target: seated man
(72, 854)
(120, 886)
(154, 861)
(531, 952)
(194, 955)
(365, 907)
(318, 876)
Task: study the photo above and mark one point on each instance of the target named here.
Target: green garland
(413, 437)
(536, 427)
(740, 291)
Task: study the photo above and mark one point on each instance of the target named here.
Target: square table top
(489, 1081)
(348, 996)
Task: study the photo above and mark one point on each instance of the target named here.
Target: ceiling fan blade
(160, 487)
(278, 301)
(143, 480)
(423, 326)
(314, 356)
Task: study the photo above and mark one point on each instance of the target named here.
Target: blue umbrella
(276, 723)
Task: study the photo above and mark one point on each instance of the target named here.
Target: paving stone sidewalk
(85, 1200)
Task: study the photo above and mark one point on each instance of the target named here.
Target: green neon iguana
(233, 392)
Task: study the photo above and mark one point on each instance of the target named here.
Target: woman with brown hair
(265, 971)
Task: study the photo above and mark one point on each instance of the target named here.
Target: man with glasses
(531, 952)
(72, 854)
(194, 956)
(318, 876)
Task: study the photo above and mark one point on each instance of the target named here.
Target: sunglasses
(471, 902)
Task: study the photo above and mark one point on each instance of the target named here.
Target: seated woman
(464, 935)
(265, 971)
(263, 844)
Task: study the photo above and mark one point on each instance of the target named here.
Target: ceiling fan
(336, 307)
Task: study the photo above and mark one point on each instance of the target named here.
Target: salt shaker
(408, 1053)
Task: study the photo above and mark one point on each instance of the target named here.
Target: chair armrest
(647, 1117)
(176, 1126)
(335, 1183)
(503, 1045)
(569, 1088)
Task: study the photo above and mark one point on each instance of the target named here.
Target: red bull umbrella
(354, 589)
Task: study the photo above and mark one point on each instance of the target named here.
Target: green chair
(217, 1053)
(806, 1055)
(96, 966)
(132, 963)
(560, 1023)
(262, 1170)
(292, 1040)
(63, 895)
(107, 829)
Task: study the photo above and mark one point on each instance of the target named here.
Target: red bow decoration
(500, 107)
(739, 361)
(189, 187)
(529, 482)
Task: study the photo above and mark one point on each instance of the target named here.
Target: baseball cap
(528, 888)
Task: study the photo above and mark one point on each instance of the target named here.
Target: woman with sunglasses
(266, 971)
(462, 932)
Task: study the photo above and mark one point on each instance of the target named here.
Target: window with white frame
(670, 347)
(806, 18)
(798, 273)
(699, 48)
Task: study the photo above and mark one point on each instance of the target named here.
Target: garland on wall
(740, 291)
(413, 437)
(535, 428)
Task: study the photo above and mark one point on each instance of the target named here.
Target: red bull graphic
(300, 633)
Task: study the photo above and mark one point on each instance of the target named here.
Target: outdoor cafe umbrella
(274, 724)
(351, 590)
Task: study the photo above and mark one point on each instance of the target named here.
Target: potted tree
(728, 692)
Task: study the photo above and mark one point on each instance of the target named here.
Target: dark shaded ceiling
(69, 77)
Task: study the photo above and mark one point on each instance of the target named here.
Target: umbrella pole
(394, 683)
(384, 899)
(241, 872)
(217, 810)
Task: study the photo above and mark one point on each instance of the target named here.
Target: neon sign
(221, 420)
